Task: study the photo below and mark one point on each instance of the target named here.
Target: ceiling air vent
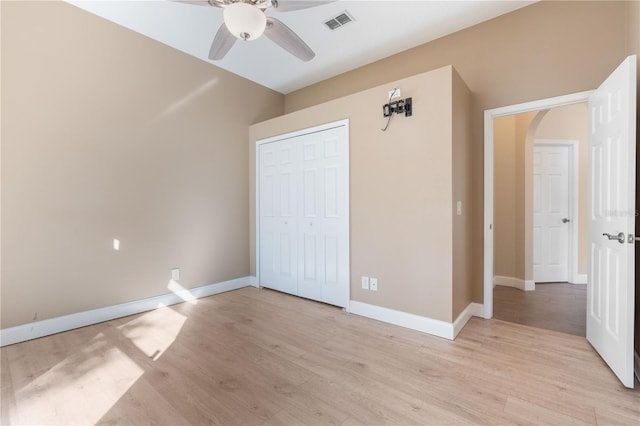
(339, 20)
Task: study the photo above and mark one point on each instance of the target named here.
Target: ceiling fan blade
(222, 43)
(208, 3)
(284, 37)
(290, 5)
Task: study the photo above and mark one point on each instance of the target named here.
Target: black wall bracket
(398, 107)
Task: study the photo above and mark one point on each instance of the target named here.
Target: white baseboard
(472, 310)
(33, 330)
(579, 279)
(253, 281)
(524, 285)
(416, 322)
(636, 364)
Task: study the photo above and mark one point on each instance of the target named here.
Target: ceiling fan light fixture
(244, 21)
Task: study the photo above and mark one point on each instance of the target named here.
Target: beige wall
(401, 189)
(540, 51)
(571, 122)
(510, 134)
(504, 169)
(462, 184)
(1, 164)
(107, 134)
(524, 206)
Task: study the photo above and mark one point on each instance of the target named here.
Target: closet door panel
(335, 217)
(278, 217)
(288, 217)
(268, 220)
(310, 229)
(331, 260)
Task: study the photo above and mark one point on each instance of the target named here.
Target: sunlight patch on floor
(154, 331)
(80, 389)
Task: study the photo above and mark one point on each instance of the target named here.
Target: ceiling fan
(246, 20)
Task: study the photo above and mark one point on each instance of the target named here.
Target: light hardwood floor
(260, 357)
(552, 306)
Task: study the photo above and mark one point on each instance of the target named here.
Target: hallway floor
(552, 306)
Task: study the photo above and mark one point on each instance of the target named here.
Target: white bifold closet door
(278, 217)
(304, 214)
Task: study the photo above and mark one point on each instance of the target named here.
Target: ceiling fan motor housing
(245, 21)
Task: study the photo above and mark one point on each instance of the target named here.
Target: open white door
(612, 159)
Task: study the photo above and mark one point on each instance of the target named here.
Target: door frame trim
(289, 135)
(574, 202)
(489, 116)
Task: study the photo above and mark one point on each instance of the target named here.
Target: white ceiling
(381, 28)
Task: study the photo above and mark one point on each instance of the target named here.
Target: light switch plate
(365, 283)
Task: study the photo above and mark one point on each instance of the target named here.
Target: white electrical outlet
(175, 274)
(365, 283)
(373, 284)
(395, 93)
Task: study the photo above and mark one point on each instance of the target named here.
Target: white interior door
(303, 196)
(551, 213)
(612, 159)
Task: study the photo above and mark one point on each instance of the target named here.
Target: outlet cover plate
(373, 284)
